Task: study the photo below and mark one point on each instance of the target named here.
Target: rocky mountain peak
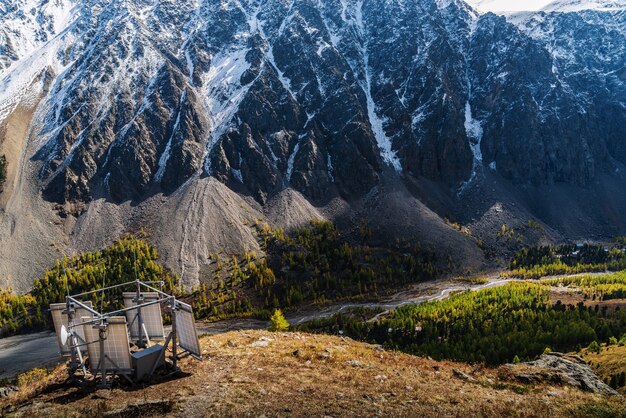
(267, 95)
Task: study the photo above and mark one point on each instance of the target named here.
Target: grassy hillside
(609, 363)
(294, 374)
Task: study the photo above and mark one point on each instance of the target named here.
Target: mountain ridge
(425, 101)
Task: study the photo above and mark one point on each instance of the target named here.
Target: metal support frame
(99, 322)
(102, 329)
(140, 325)
(162, 354)
(76, 357)
(69, 311)
(173, 308)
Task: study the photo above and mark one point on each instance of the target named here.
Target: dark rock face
(543, 136)
(323, 95)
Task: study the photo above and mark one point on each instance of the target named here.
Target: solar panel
(151, 316)
(59, 318)
(116, 346)
(186, 329)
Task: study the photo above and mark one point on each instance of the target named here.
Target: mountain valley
(422, 199)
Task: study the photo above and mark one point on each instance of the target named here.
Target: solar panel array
(116, 345)
(60, 319)
(106, 340)
(186, 329)
(151, 316)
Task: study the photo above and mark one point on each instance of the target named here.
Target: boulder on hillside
(558, 368)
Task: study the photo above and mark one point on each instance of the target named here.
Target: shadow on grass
(72, 393)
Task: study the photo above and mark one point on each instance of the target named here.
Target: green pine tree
(278, 321)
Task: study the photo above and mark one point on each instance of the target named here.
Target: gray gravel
(24, 352)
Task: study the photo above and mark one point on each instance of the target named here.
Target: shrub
(594, 347)
(3, 170)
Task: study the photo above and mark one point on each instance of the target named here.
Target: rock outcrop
(561, 369)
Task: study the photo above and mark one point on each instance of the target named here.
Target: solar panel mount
(106, 338)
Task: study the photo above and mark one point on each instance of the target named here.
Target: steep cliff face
(319, 96)
(316, 95)
(327, 97)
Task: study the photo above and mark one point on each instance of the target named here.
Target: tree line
(312, 264)
(604, 287)
(537, 262)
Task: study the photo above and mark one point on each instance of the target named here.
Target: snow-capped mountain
(27, 25)
(507, 6)
(263, 95)
(134, 98)
(259, 94)
(568, 6)
(564, 6)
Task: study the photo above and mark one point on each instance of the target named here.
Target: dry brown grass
(254, 373)
(609, 362)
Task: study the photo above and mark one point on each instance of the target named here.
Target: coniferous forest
(536, 262)
(491, 326)
(314, 264)
(121, 262)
